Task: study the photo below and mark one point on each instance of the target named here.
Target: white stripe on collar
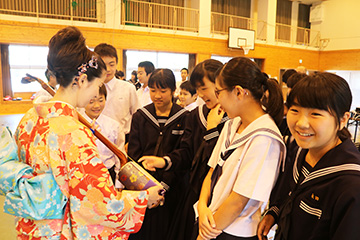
(150, 116)
(171, 119)
(329, 170)
(224, 119)
(295, 170)
(322, 172)
(211, 135)
(175, 116)
(201, 116)
(248, 135)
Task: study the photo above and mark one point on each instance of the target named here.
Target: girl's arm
(230, 210)
(207, 226)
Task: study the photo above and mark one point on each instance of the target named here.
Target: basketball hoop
(246, 49)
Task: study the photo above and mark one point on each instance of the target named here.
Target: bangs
(196, 77)
(324, 91)
(162, 78)
(308, 94)
(158, 83)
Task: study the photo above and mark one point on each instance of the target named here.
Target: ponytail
(272, 100)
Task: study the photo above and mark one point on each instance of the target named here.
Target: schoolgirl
(156, 130)
(203, 126)
(247, 156)
(317, 197)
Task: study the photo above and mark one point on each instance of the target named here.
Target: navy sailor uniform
(322, 202)
(153, 135)
(194, 152)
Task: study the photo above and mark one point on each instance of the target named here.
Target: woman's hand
(207, 226)
(152, 162)
(155, 199)
(264, 226)
(214, 117)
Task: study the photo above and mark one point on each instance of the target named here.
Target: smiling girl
(318, 195)
(246, 158)
(156, 129)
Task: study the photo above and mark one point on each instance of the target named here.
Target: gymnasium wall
(275, 57)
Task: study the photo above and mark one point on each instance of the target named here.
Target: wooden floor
(10, 121)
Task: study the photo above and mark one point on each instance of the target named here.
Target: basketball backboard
(241, 38)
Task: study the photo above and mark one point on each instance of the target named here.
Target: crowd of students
(236, 164)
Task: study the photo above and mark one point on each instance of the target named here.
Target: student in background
(293, 79)
(187, 96)
(109, 128)
(184, 74)
(203, 126)
(247, 156)
(287, 74)
(51, 82)
(120, 75)
(134, 80)
(156, 129)
(144, 72)
(122, 101)
(317, 196)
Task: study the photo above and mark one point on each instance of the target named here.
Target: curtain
(160, 17)
(283, 16)
(5, 70)
(304, 16)
(283, 12)
(238, 8)
(303, 35)
(232, 7)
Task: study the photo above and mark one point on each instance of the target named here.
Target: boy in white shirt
(187, 96)
(110, 129)
(51, 82)
(144, 72)
(122, 101)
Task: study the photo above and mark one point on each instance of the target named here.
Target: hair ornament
(92, 63)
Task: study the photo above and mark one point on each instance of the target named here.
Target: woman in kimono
(317, 196)
(245, 161)
(202, 129)
(50, 139)
(156, 129)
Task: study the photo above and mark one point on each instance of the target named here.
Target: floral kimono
(50, 139)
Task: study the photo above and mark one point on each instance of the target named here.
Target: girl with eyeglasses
(247, 157)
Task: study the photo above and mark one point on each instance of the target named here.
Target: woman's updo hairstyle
(67, 52)
(324, 91)
(243, 72)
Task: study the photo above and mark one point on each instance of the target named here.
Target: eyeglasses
(217, 91)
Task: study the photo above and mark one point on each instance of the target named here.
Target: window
(27, 59)
(221, 58)
(303, 31)
(173, 61)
